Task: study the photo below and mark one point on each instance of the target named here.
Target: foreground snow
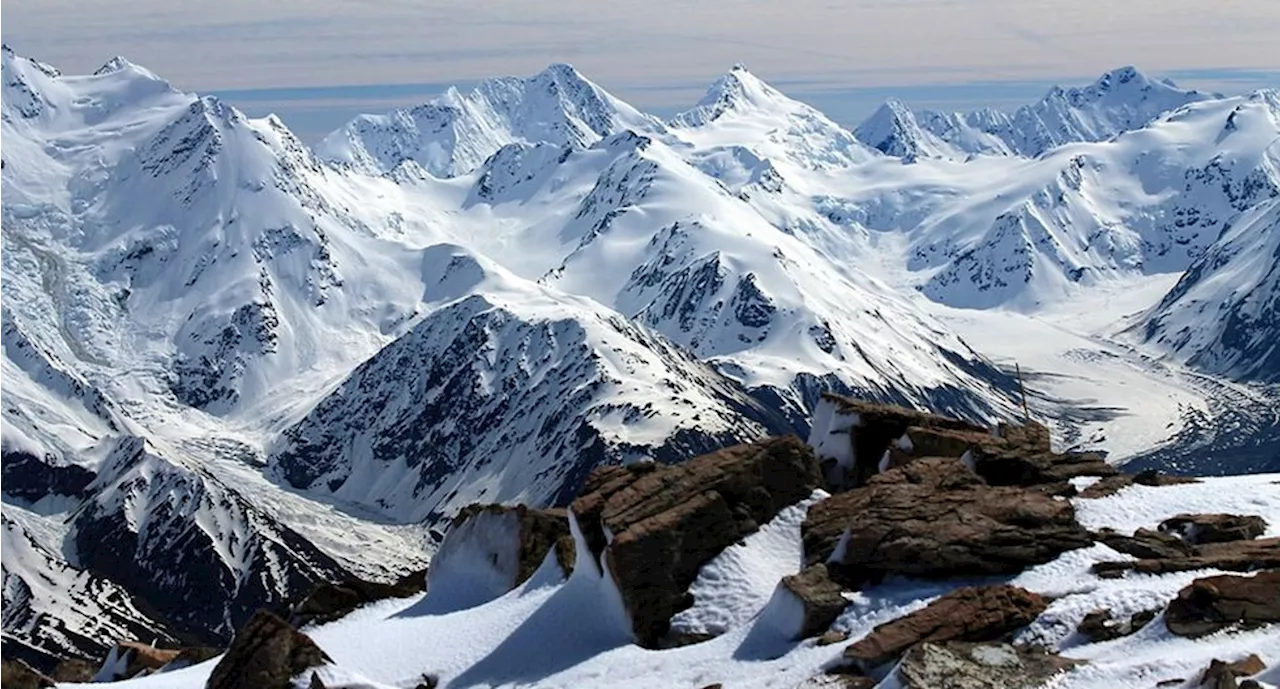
(568, 633)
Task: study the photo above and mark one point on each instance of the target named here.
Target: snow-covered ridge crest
(455, 133)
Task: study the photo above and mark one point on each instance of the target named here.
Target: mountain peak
(115, 64)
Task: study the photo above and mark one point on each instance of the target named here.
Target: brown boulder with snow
(329, 601)
(668, 521)
(821, 599)
(266, 653)
(1215, 603)
(985, 613)
(935, 518)
(1214, 528)
(1234, 556)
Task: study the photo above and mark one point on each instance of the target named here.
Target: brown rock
(1215, 603)
(1030, 436)
(1099, 625)
(265, 654)
(1236, 556)
(134, 658)
(832, 636)
(1214, 528)
(838, 680)
(193, 655)
(1111, 485)
(1224, 675)
(78, 670)
(984, 613)
(1145, 543)
(934, 518)
(879, 428)
(668, 521)
(821, 598)
(1014, 466)
(327, 601)
(979, 666)
(16, 674)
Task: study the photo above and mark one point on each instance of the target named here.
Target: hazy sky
(317, 61)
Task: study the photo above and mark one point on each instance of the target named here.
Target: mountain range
(235, 365)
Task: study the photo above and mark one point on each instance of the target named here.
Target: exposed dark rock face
(1100, 625)
(1214, 528)
(1235, 556)
(986, 613)
(820, 597)
(956, 665)
(1226, 601)
(265, 654)
(668, 521)
(935, 518)
(77, 670)
(327, 601)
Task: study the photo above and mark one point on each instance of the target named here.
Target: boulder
(16, 674)
(822, 599)
(77, 670)
(852, 437)
(329, 601)
(935, 518)
(266, 653)
(131, 658)
(1145, 543)
(1215, 603)
(838, 680)
(985, 613)
(1223, 675)
(1110, 485)
(1214, 528)
(668, 521)
(1100, 625)
(855, 440)
(1235, 556)
(955, 665)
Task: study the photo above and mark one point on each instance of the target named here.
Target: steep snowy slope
(508, 391)
(453, 134)
(1223, 316)
(1119, 101)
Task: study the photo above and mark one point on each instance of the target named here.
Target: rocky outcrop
(853, 437)
(539, 532)
(266, 653)
(1224, 675)
(1215, 603)
(821, 599)
(130, 658)
(16, 674)
(985, 613)
(855, 440)
(935, 518)
(1110, 485)
(666, 522)
(1101, 625)
(78, 670)
(1235, 556)
(1214, 528)
(327, 601)
(1145, 543)
(956, 665)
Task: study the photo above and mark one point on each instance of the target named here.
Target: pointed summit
(455, 133)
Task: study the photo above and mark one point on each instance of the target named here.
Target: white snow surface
(553, 633)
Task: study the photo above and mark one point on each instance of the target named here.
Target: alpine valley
(236, 365)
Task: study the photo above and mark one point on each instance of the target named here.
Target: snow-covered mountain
(1119, 101)
(455, 133)
(273, 366)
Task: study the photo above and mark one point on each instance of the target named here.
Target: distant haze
(317, 62)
